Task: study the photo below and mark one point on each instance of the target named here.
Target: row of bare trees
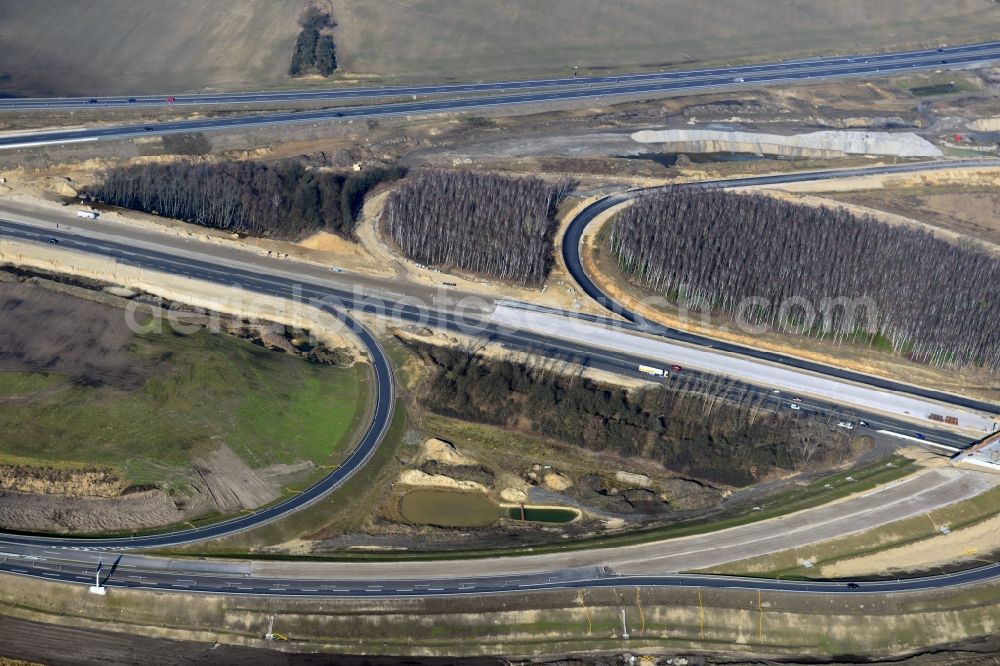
(489, 224)
(280, 200)
(715, 429)
(817, 271)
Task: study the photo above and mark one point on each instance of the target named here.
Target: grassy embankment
(937, 83)
(209, 390)
(346, 507)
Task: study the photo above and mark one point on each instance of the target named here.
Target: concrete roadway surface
(275, 283)
(375, 291)
(71, 559)
(475, 308)
(574, 235)
(787, 382)
(950, 54)
(314, 284)
(633, 85)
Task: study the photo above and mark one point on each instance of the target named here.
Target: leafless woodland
(818, 271)
(489, 224)
(282, 200)
(713, 428)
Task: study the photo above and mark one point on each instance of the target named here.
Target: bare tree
(820, 272)
(282, 200)
(708, 429)
(485, 223)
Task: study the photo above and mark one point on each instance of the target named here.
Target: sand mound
(513, 495)
(414, 477)
(984, 125)
(631, 479)
(323, 241)
(443, 452)
(556, 481)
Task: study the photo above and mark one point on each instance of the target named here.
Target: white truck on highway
(649, 370)
(89, 214)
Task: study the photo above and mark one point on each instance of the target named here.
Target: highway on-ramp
(643, 564)
(527, 92)
(472, 322)
(381, 411)
(571, 252)
(73, 559)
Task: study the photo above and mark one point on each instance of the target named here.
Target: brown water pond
(448, 508)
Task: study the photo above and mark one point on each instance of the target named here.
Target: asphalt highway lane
(340, 300)
(877, 62)
(72, 559)
(179, 580)
(573, 237)
(907, 497)
(511, 95)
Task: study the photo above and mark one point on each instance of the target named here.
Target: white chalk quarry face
(827, 142)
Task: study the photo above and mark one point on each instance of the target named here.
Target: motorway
(649, 563)
(76, 559)
(341, 297)
(817, 66)
(72, 559)
(785, 380)
(381, 295)
(502, 94)
(573, 239)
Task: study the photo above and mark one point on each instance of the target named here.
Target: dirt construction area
(969, 210)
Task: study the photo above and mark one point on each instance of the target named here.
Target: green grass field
(212, 389)
(17, 384)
